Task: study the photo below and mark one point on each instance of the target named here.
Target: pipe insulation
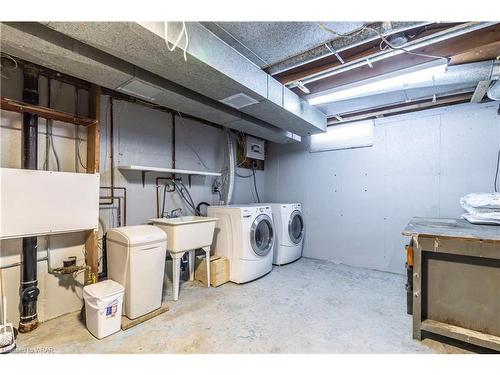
(29, 283)
(231, 167)
(456, 79)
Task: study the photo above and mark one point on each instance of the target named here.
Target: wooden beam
(93, 135)
(480, 53)
(358, 51)
(474, 46)
(462, 334)
(45, 112)
(93, 141)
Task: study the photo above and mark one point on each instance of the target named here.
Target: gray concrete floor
(309, 306)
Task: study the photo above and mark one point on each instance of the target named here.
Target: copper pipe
(119, 199)
(124, 200)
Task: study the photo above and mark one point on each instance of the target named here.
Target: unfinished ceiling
(258, 77)
(268, 43)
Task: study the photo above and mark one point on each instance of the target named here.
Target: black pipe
(29, 283)
(112, 145)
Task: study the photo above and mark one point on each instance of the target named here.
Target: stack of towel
(482, 208)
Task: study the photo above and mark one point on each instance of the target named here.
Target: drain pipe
(29, 283)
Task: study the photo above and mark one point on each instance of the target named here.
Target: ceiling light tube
(417, 44)
(394, 82)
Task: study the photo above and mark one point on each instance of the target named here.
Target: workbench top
(451, 228)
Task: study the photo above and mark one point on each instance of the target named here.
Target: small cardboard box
(219, 270)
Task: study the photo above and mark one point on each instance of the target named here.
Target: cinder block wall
(358, 201)
(142, 136)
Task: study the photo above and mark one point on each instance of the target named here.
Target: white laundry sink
(187, 232)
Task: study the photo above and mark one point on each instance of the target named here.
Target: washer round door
(296, 227)
(262, 235)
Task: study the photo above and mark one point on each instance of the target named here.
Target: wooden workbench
(456, 280)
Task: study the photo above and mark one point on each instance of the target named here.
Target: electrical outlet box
(254, 148)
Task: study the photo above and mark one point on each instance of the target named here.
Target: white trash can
(103, 307)
(136, 259)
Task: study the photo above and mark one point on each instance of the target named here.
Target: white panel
(344, 136)
(43, 202)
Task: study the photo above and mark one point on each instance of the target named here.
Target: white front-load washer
(290, 229)
(245, 235)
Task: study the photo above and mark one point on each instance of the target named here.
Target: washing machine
(244, 234)
(289, 224)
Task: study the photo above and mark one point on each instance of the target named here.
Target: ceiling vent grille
(239, 101)
(140, 88)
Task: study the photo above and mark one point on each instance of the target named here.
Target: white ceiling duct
(213, 68)
(43, 46)
(394, 88)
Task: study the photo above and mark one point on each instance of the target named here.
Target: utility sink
(187, 232)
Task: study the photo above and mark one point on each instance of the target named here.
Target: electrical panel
(254, 148)
(251, 152)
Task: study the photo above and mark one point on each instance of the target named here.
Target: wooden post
(93, 139)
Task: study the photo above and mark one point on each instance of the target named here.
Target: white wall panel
(33, 202)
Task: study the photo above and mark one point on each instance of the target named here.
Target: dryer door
(262, 235)
(296, 227)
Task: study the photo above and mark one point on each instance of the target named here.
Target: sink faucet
(174, 213)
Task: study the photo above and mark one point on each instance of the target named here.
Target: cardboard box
(219, 270)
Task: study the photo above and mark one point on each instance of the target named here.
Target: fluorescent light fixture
(343, 136)
(393, 83)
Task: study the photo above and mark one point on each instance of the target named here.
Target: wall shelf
(188, 172)
(48, 113)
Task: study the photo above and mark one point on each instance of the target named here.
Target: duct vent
(140, 88)
(239, 101)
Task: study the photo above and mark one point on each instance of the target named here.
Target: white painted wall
(358, 201)
(141, 136)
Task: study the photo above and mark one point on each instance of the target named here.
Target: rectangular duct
(44, 46)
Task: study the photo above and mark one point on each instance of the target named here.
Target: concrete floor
(309, 306)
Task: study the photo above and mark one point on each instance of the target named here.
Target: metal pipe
(465, 76)
(119, 199)
(29, 283)
(111, 141)
(124, 200)
(158, 193)
(173, 140)
(17, 264)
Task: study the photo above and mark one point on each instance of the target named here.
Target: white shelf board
(167, 170)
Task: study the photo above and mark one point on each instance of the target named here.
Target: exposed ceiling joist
(342, 43)
(445, 43)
